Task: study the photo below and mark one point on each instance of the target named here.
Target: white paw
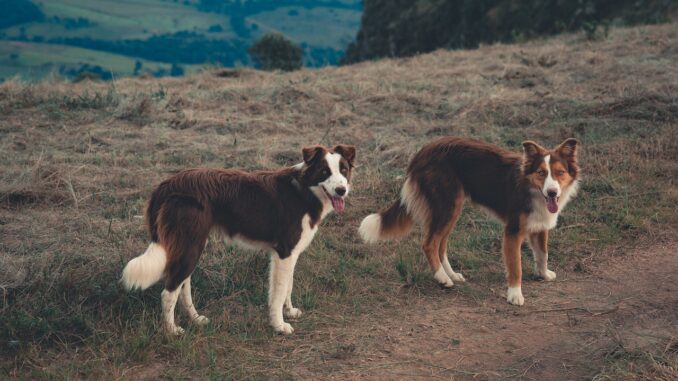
(284, 328)
(457, 277)
(514, 295)
(174, 330)
(548, 276)
(201, 320)
(293, 313)
(441, 277)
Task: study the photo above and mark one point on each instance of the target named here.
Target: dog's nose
(552, 192)
(340, 190)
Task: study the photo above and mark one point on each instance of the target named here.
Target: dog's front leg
(289, 310)
(539, 244)
(281, 273)
(514, 271)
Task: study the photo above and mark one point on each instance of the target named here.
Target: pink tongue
(338, 203)
(552, 204)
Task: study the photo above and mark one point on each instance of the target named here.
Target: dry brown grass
(77, 162)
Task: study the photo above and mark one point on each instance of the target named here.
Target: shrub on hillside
(15, 12)
(274, 52)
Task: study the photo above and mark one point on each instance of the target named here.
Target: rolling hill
(159, 33)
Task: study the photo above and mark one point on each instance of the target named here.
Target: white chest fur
(324, 200)
(307, 234)
(541, 219)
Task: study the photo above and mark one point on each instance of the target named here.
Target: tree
(137, 67)
(15, 12)
(274, 52)
(176, 70)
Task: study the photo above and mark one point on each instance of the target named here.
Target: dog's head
(552, 172)
(328, 172)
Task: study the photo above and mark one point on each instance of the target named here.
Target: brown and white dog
(276, 211)
(525, 192)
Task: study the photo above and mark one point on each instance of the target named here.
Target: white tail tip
(370, 228)
(145, 270)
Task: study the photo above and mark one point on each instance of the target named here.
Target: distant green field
(320, 27)
(122, 19)
(34, 60)
(311, 26)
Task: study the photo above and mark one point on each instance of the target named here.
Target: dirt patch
(568, 329)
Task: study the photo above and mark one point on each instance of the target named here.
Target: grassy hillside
(324, 29)
(78, 162)
(38, 60)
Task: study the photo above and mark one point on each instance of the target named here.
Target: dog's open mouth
(337, 202)
(552, 204)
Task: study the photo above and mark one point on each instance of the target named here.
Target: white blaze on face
(334, 181)
(550, 185)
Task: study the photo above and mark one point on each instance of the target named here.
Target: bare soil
(568, 329)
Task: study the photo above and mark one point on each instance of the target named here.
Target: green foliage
(274, 52)
(185, 32)
(15, 12)
(398, 28)
(176, 70)
(591, 29)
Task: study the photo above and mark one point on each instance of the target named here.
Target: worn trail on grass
(567, 330)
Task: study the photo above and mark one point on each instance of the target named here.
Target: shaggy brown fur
(449, 170)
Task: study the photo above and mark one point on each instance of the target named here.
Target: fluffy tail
(145, 270)
(392, 223)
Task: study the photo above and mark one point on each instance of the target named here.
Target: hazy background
(111, 38)
(128, 37)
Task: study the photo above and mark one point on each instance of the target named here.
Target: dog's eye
(542, 173)
(560, 173)
(344, 170)
(325, 172)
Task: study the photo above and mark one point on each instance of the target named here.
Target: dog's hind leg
(442, 250)
(183, 229)
(187, 303)
(431, 246)
(169, 301)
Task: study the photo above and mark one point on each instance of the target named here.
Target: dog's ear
(312, 153)
(568, 149)
(532, 149)
(348, 152)
(531, 154)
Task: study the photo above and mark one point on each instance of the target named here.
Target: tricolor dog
(276, 211)
(526, 192)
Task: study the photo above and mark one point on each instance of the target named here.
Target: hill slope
(78, 161)
(175, 32)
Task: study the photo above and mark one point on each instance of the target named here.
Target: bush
(18, 12)
(274, 52)
(176, 70)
